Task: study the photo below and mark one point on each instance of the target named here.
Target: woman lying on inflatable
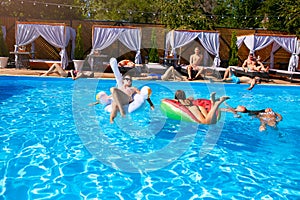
(124, 94)
(202, 111)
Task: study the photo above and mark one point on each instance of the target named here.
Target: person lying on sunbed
(57, 69)
(170, 74)
(229, 76)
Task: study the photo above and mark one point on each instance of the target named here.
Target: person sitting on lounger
(195, 62)
(251, 64)
(260, 66)
(126, 63)
(229, 76)
(170, 74)
(199, 111)
(57, 69)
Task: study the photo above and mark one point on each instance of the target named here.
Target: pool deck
(276, 80)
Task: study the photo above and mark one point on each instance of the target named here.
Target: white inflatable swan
(138, 99)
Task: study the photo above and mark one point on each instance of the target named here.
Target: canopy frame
(208, 39)
(56, 34)
(255, 42)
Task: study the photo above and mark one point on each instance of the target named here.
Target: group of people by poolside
(124, 95)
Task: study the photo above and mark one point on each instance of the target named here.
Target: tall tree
(282, 15)
(185, 14)
(43, 9)
(238, 14)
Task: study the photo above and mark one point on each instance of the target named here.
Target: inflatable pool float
(175, 110)
(138, 99)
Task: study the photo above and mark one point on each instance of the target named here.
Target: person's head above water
(241, 109)
(127, 80)
(180, 94)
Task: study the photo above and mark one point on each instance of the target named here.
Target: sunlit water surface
(55, 146)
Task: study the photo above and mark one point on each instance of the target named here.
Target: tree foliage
(43, 9)
(153, 54)
(3, 47)
(233, 52)
(175, 14)
(79, 52)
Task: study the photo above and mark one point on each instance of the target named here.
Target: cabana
(104, 36)
(259, 41)
(176, 39)
(208, 39)
(57, 34)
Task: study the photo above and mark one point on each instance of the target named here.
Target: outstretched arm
(94, 103)
(230, 109)
(150, 103)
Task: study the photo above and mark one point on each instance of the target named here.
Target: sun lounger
(155, 68)
(289, 74)
(252, 74)
(215, 71)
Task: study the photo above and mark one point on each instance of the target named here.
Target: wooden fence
(46, 51)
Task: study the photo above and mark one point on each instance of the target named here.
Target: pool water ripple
(44, 154)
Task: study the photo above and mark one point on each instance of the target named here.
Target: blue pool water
(55, 146)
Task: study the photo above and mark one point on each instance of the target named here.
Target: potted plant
(4, 54)
(153, 54)
(233, 52)
(79, 53)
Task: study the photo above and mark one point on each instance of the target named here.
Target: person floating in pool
(266, 116)
(230, 77)
(170, 74)
(204, 116)
(122, 96)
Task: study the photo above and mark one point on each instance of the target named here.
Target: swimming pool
(55, 146)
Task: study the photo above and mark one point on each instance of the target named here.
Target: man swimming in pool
(230, 77)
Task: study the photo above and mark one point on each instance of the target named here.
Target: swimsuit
(235, 79)
(263, 117)
(156, 75)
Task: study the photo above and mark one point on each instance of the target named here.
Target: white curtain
(275, 47)
(104, 37)
(177, 39)
(291, 46)
(57, 35)
(209, 40)
(131, 37)
(3, 31)
(240, 41)
(255, 43)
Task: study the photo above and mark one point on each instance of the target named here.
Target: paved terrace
(25, 72)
